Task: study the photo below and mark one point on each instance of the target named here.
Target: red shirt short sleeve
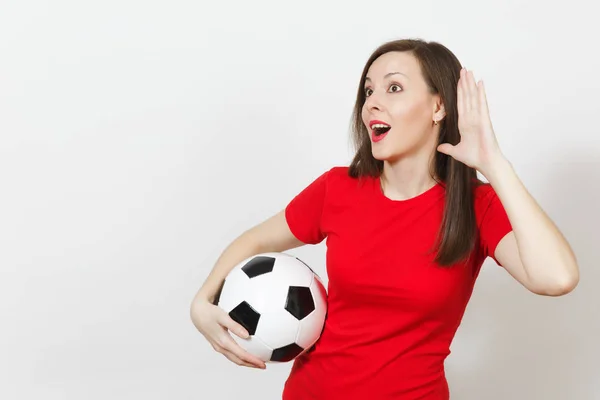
(494, 222)
(304, 211)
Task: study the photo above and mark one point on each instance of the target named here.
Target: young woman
(408, 225)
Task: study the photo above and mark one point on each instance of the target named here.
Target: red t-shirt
(392, 313)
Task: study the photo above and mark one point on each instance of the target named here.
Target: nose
(372, 103)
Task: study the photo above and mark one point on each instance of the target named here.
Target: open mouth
(380, 129)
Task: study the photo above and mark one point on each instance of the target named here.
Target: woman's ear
(439, 112)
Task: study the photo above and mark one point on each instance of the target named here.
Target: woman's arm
(536, 253)
(271, 235)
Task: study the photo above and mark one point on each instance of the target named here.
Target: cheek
(410, 126)
(363, 115)
(407, 137)
(409, 117)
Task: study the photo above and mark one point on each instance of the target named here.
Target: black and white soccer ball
(280, 301)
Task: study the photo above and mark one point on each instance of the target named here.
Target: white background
(139, 138)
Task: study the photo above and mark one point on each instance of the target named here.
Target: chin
(387, 155)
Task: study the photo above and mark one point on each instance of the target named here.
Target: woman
(408, 226)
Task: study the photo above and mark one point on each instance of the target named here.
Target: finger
(227, 322)
(473, 97)
(446, 148)
(465, 91)
(235, 359)
(460, 101)
(225, 349)
(483, 99)
(230, 345)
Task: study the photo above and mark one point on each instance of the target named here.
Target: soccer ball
(280, 301)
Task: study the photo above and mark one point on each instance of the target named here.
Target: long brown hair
(441, 70)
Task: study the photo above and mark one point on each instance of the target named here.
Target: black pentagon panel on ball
(286, 353)
(259, 265)
(246, 316)
(299, 301)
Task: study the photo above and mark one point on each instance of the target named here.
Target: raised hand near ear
(478, 147)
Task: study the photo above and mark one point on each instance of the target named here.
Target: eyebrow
(387, 75)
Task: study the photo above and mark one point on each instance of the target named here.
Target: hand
(213, 322)
(478, 147)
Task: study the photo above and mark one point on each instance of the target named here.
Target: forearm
(545, 253)
(242, 247)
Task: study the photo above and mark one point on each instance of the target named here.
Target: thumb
(446, 148)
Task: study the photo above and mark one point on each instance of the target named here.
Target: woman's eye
(394, 88)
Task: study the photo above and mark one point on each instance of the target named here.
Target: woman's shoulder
(483, 191)
(335, 172)
(340, 174)
(338, 179)
(339, 171)
(484, 198)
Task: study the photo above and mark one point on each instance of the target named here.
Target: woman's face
(397, 96)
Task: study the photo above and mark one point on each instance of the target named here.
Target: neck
(405, 179)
